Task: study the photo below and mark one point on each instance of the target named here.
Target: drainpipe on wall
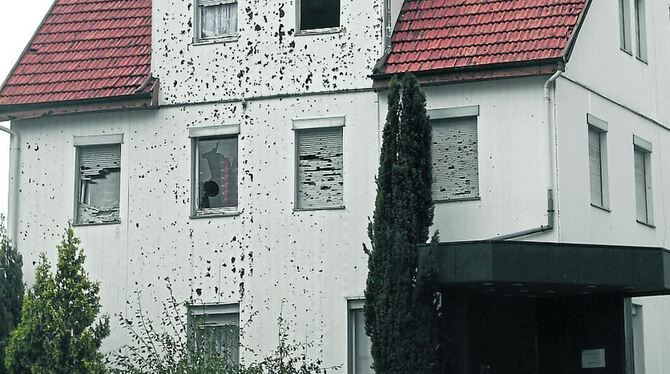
(13, 203)
(553, 169)
(387, 25)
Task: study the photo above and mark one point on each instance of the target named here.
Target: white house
(229, 147)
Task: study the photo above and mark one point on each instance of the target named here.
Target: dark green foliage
(400, 309)
(11, 290)
(58, 332)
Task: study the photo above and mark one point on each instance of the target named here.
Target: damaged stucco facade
(274, 259)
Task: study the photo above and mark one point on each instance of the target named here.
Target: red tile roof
(85, 49)
(445, 34)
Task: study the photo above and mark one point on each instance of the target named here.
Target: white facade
(304, 265)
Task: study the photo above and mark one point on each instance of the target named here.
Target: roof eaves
(140, 100)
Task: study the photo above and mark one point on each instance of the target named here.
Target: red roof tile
(85, 49)
(445, 34)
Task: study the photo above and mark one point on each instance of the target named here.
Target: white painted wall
(314, 260)
(268, 58)
(634, 98)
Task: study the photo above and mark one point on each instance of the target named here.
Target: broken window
(216, 330)
(319, 14)
(455, 161)
(99, 183)
(216, 19)
(319, 171)
(216, 174)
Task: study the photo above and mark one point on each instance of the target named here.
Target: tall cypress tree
(11, 289)
(399, 309)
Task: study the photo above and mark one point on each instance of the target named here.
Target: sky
(18, 22)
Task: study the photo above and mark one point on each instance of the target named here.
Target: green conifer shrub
(11, 290)
(60, 331)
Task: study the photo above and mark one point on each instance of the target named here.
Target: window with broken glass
(215, 175)
(215, 330)
(216, 19)
(99, 184)
(318, 14)
(319, 179)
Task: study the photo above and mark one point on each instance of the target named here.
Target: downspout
(387, 25)
(551, 127)
(13, 203)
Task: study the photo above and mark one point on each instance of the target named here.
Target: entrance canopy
(540, 269)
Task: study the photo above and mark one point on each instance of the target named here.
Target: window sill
(465, 199)
(215, 215)
(322, 208)
(330, 30)
(96, 224)
(626, 52)
(601, 208)
(219, 40)
(651, 226)
(642, 60)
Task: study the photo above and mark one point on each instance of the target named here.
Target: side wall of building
(633, 98)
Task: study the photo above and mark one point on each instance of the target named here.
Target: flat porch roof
(544, 269)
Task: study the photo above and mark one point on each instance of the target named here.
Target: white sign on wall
(593, 358)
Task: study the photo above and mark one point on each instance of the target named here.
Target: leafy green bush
(11, 290)
(164, 347)
(58, 332)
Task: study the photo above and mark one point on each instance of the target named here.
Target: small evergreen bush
(11, 290)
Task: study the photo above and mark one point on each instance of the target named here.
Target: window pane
(99, 183)
(640, 185)
(455, 161)
(218, 20)
(319, 178)
(218, 334)
(319, 14)
(641, 30)
(361, 345)
(217, 173)
(595, 165)
(624, 25)
(638, 339)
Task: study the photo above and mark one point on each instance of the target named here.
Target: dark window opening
(319, 14)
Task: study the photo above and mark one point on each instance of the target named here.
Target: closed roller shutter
(319, 175)
(455, 160)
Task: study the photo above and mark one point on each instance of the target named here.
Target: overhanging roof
(438, 36)
(84, 51)
(549, 268)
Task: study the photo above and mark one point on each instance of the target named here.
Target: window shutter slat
(319, 177)
(595, 165)
(455, 161)
(94, 159)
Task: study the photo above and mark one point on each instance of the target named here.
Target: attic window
(216, 19)
(318, 14)
(99, 184)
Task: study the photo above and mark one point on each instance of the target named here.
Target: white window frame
(459, 112)
(600, 126)
(645, 147)
(315, 123)
(197, 30)
(203, 133)
(633, 28)
(195, 311)
(87, 141)
(327, 30)
(353, 305)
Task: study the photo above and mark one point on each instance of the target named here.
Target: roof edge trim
(567, 53)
